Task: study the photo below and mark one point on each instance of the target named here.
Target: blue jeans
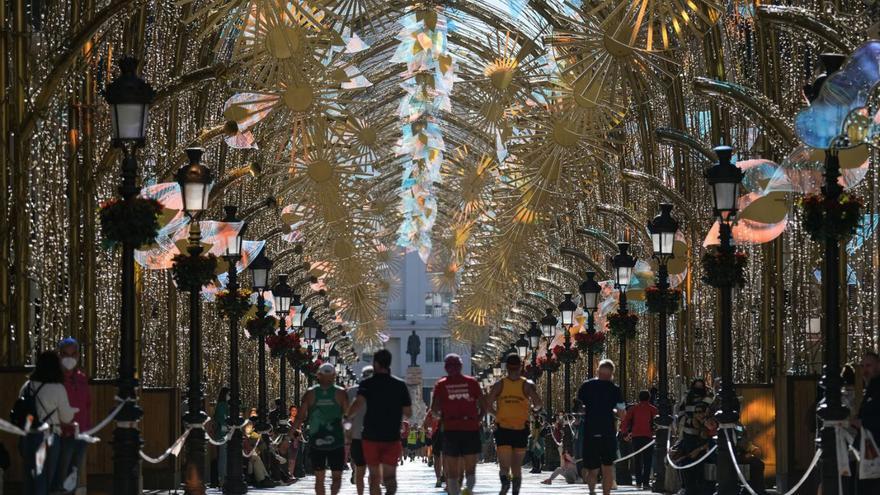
(72, 452)
(35, 484)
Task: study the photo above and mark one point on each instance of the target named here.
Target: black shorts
(459, 443)
(357, 453)
(599, 451)
(517, 439)
(322, 459)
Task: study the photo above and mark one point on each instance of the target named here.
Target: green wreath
(831, 219)
(233, 305)
(724, 269)
(191, 273)
(662, 301)
(134, 221)
(260, 327)
(623, 325)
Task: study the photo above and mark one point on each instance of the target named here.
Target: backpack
(26, 405)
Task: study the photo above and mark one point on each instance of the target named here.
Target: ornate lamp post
(129, 98)
(522, 347)
(548, 328)
(259, 269)
(662, 229)
(195, 182)
(310, 330)
(234, 482)
(725, 178)
(282, 294)
(567, 309)
(534, 336)
(589, 290)
(623, 267)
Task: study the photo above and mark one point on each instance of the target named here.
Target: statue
(413, 348)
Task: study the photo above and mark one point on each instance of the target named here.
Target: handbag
(869, 467)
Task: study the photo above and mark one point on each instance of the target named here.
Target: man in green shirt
(322, 407)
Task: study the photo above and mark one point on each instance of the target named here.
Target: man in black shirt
(387, 400)
(601, 398)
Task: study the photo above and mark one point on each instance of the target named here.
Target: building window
(437, 349)
(437, 304)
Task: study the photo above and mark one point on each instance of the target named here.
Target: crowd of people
(366, 429)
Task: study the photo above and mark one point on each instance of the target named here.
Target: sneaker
(546, 482)
(466, 491)
(438, 484)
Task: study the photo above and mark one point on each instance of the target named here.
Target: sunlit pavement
(416, 478)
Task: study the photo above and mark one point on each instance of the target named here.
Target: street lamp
(129, 98)
(522, 347)
(567, 309)
(548, 328)
(234, 482)
(725, 178)
(662, 230)
(195, 181)
(282, 294)
(534, 336)
(259, 270)
(320, 340)
(296, 320)
(623, 264)
(589, 290)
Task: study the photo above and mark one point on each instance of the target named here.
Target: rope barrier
(644, 448)
(173, 449)
(688, 466)
(745, 482)
(253, 450)
(88, 436)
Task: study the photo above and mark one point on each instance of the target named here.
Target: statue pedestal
(414, 376)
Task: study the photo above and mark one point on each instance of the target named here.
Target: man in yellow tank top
(509, 401)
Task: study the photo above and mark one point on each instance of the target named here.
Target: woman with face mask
(73, 451)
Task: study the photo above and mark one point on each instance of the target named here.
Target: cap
(68, 341)
(366, 372)
(327, 369)
(512, 360)
(452, 358)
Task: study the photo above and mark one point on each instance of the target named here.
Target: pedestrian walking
(457, 402)
(220, 421)
(71, 460)
(869, 411)
(323, 407)
(638, 428)
(601, 400)
(354, 436)
(42, 401)
(388, 402)
(435, 457)
(509, 400)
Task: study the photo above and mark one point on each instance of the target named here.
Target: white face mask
(69, 363)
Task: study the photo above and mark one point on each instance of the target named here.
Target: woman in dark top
(221, 415)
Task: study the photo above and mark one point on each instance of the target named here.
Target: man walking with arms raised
(456, 400)
(601, 398)
(387, 400)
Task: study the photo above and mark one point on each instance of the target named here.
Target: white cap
(327, 369)
(366, 372)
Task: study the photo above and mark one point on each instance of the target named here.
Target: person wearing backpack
(42, 400)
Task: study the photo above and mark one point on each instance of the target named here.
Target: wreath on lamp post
(299, 357)
(623, 325)
(831, 219)
(310, 368)
(724, 269)
(662, 300)
(134, 221)
(260, 326)
(282, 345)
(191, 273)
(564, 355)
(587, 342)
(549, 365)
(233, 305)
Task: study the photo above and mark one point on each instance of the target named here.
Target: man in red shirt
(638, 427)
(456, 402)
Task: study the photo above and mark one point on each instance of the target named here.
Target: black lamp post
(195, 182)
(662, 229)
(589, 290)
(259, 269)
(129, 98)
(309, 330)
(296, 323)
(567, 309)
(623, 264)
(725, 178)
(522, 347)
(282, 294)
(234, 483)
(832, 408)
(534, 336)
(548, 328)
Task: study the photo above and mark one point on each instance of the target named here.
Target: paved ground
(418, 479)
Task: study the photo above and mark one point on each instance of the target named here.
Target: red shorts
(381, 452)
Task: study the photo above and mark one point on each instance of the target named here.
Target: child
(568, 470)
